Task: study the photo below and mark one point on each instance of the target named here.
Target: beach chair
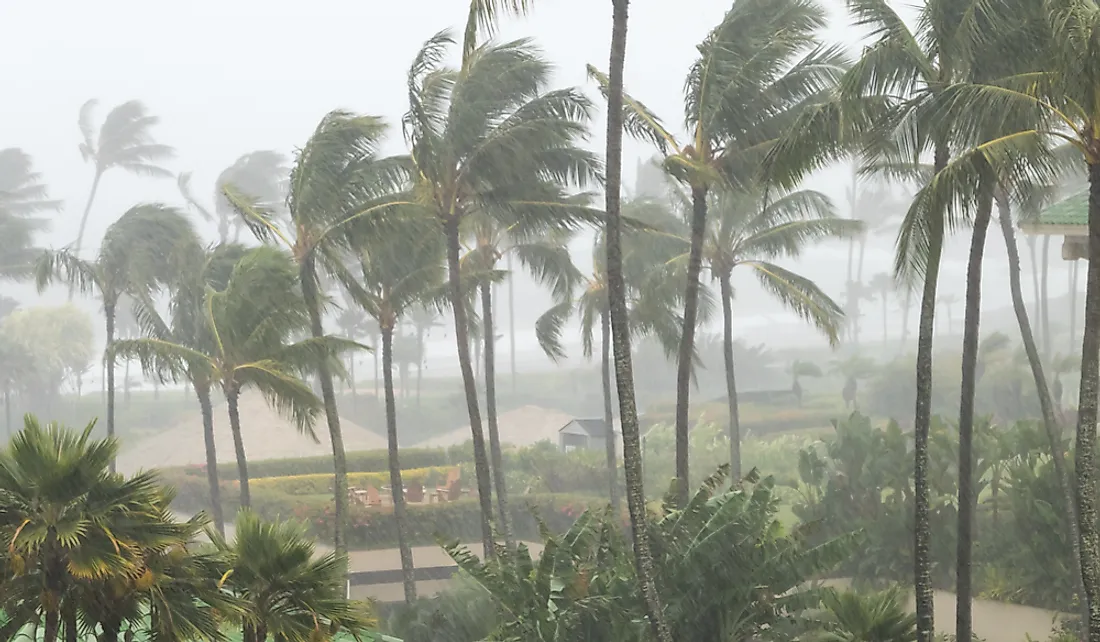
(374, 499)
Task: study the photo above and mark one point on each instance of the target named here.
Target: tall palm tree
(545, 254)
(653, 295)
(756, 71)
(465, 153)
(1053, 93)
(261, 175)
(123, 140)
(251, 322)
(423, 318)
(748, 230)
(338, 182)
(882, 283)
(141, 251)
(287, 591)
(620, 329)
(874, 205)
(401, 270)
(187, 326)
(23, 198)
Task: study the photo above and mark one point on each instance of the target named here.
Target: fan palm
(288, 591)
(338, 182)
(261, 175)
(68, 519)
(488, 141)
(23, 198)
(401, 270)
(124, 140)
(141, 251)
(757, 70)
(747, 230)
(251, 323)
(620, 328)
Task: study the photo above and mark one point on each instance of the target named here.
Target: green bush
(364, 461)
(321, 483)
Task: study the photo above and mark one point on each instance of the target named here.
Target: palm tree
(142, 250)
(261, 175)
(467, 164)
(353, 324)
(251, 322)
(124, 140)
(882, 283)
(757, 70)
(187, 326)
(748, 230)
(620, 328)
(401, 270)
(423, 318)
(545, 254)
(653, 295)
(338, 182)
(288, 592)
(67, 518)
(23, 197)
(947, 302)
(872, 204)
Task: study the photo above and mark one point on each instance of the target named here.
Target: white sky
(231, 76)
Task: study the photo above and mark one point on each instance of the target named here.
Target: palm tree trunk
(1074, 270)
(1044, 298)
(731, 380)
(608, 412)
(497, 458)
(375, 353)
(232, 395)
(68, 617)
(620, 331)
(481, 461)
(202, 391)
(511, 318)
(84, 220)
(1046, 404)
(922, 423)
(399, 513)
(964, 617)
(905, 318)
(332, 415)
(687, 339)
(1086, 415)
(1034, 260)
(419, 362)
(857, 319)
(849, 303)
(126, 384)
(109, 313)
(53, 625)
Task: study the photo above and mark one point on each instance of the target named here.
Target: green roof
(1073, 210)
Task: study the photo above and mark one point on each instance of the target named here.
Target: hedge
(364, 461)
(321, 483)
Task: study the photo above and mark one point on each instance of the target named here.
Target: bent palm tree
(757, 70)
(141, 251)
(338, 182)
(23, 197)
(487, 140)
(747, 230)
(124, 141)
(401, 270)
(251, 322)
(187, 326)
(262, 175)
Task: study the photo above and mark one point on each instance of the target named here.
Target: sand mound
(520, 427)
(266, 434)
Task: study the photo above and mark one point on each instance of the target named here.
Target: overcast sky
(231, 76)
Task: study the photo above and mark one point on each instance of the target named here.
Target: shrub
(364, 461)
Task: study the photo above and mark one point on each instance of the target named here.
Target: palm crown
(23, 197)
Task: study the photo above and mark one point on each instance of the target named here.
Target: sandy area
(523, 426)
(266, 434)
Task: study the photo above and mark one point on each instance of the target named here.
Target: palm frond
(638, 120)
(802, 296)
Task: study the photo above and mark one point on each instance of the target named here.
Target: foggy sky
(228, 77)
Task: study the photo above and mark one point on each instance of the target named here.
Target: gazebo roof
(1071, 212)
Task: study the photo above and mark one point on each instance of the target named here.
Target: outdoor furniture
(414, 492)
(357, 495)
(374, 499)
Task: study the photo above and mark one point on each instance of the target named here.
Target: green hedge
(365, 461)
(321, 483)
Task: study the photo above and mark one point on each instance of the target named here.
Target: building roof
(1072, 211)
(594, 427)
